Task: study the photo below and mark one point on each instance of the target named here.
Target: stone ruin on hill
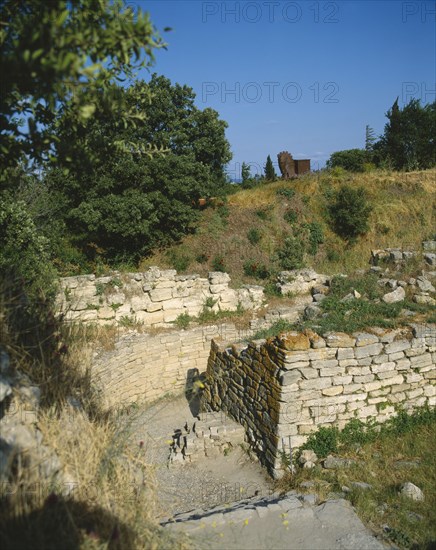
(290, 168)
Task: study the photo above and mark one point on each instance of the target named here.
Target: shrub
(291, 255)
(264, 213)
(179, 261)
(253, 269)
(349, 212)
(201, 258)
(338, 172)
(316, 236)
(254, 235)
(323, 442)
(333, 255)
(24, 256)
(352, 160)
(291, 216)
(218, 263)
(223, 211)
(271, 289)
(286, 192)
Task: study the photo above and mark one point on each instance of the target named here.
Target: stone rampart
(155, 297)
(145, 367)
(287, 387)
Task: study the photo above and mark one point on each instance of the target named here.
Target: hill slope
(251, 226)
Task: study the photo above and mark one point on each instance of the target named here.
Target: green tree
(291, 253)
(370, 139)
(349, 212)
(409, 139)
(270, 173)
(60, 52)
(245, 173)
(124, 203)
(352, 160)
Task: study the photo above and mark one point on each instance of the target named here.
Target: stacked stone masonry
(155, 297)
(401, 255)
(145, 367)
(283, 389)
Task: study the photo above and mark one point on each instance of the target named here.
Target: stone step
(211, 435)
(282, 522)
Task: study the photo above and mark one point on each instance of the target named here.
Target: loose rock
(412, 491)
(396, 296)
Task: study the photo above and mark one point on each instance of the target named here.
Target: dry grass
(106, 498)
(112, 503)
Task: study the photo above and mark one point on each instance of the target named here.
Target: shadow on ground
(193, 390)
(63, 523)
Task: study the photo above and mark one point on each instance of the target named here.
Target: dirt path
(205, 482)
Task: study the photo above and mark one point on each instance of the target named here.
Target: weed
(272, 289)
(218, 263)
(254, 235)
(265, 213)
(99, 288)
(127, 321)
(202, 258)
(116, 306)
(291, 216)
(286, 192)
(273, 330)
(183, 321)
(323, 442)
(209, 302)
(116, 281)
(255, 269)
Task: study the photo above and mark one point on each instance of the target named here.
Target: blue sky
(306, 76)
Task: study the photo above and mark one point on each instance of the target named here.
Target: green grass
(409, 438)
(273, 330)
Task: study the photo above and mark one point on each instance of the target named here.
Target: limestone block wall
(285, 388)
(155, 297)
(300, 281)
(400, 255)
(145, 367)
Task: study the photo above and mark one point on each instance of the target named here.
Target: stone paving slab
(277, 523)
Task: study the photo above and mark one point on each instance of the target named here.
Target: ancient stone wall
(285, 388)
(154, 298)
(145, 367)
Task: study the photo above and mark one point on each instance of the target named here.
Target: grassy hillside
(251, 226)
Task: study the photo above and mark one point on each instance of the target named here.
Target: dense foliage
(408, 141)
(62, 53)
(350, 159)
(349, 212)
(120, 168)
(126, 203)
